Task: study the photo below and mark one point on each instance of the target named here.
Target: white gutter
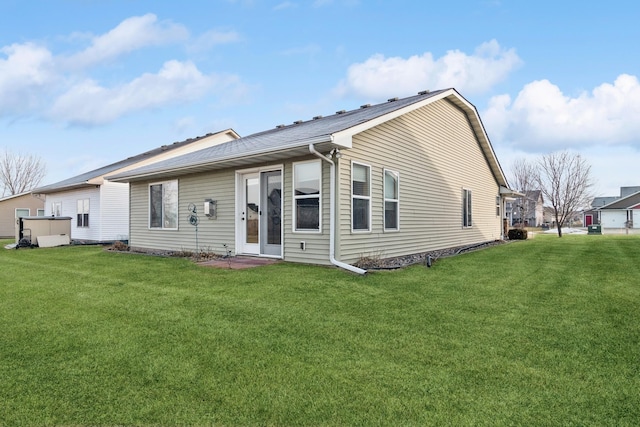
(332, 210)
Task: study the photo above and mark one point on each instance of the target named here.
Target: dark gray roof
(624, 202)
(603, 200)
(82, 179)
(280, 138)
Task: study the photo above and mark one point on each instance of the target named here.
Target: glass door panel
(271, 220)
(252, 210)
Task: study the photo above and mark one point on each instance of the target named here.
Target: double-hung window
(360, 197)
(391, 200)
(466, 208)
(163, 205)
(82, 213)
(306, 195)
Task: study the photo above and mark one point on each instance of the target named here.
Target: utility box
(211, 208)
(43, 230)
(594, 229)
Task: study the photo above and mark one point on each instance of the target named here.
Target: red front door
(588, 220)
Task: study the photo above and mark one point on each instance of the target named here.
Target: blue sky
(84, 83)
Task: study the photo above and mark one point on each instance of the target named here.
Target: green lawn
(540, 332)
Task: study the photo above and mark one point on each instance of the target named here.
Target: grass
(540, 332)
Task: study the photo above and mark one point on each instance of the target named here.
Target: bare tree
(523, 178)
(20, 172)
(565, 181)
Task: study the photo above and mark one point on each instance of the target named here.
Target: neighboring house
(403, 177)
(13, 207)
(100, 208)
(621, 213)
(592, 216)
(531, 207)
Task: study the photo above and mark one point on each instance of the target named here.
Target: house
(100, 208)
(623, 213)
(592, 216)
(402, 177)
(530, 206)
(16, 206)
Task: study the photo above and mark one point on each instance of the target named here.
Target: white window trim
(353, 163)
(83, 212)
(464, 207)
(149, 206)
(53, 209)
(294, 198)
(15, 213)
(385, 200)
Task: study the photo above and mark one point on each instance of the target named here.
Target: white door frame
(242, 247)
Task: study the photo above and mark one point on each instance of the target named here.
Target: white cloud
(213, 38)
(285, 5)
(25, 73)
(88, 103)
(322, 3)
(379, 76)
(36, 82)
(542, 118)
(131, 34)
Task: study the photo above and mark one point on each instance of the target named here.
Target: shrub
(517, 234)
(119, 246)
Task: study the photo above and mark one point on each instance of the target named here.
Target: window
(56, 208)
(497, 205)
(466, 208)
(40, 212)
(163, 205)
(306, 195)
(22, 212)
(391, 200)
(360, 197)
(82, 212)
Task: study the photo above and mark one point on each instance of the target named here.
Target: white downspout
(332, 210)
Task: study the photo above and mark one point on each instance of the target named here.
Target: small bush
(517, 234)
(120, 246)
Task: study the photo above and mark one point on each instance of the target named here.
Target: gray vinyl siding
(212, 233)
(317, 244)
(437, 156)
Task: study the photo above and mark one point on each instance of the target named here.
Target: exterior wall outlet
(303, 245)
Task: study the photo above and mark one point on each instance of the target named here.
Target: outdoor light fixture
(335, 153)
